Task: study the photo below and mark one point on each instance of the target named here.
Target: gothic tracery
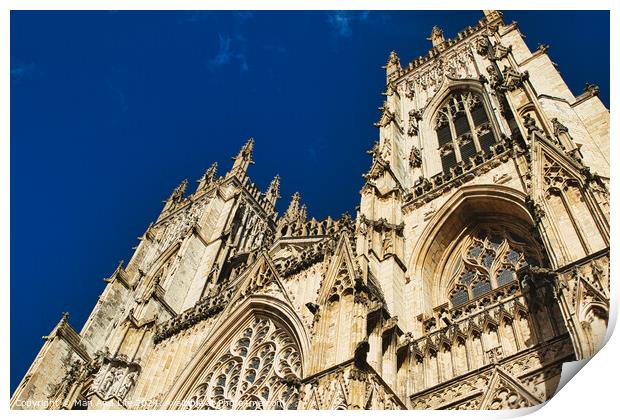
(259, 370)
(463, 128)
(490, 257)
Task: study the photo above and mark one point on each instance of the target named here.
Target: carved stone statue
(436, 37)
(127, 384)
(107, 381)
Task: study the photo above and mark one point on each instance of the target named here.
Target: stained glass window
(481, 287)
(490, 258)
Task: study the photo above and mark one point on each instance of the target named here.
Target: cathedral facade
(476, 264)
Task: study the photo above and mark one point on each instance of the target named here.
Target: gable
(506, 392)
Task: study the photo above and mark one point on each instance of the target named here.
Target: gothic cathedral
(476, 264)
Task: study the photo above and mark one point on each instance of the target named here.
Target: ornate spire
(179, 192)
(293, 206)
(436, 37)
(295, 213)
(243, 158)
(208, 177)
(273, 192)
(177, 196)
(303, 213)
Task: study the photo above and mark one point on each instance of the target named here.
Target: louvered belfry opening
(463, 128)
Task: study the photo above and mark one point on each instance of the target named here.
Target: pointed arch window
(463, 128)
(258, 370)
(489, 258)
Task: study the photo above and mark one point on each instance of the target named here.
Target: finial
(293, 208)
(273, 192)
(179, 192)
(303, 213)
(275, 184)
(393, 59)
(436, 37)
(247, 148)
(274, 188)
(208, 176)
(393, 64)
(294, 204)
(243, 158)
(211, 172)
(176, 197)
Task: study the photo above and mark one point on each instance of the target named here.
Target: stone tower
(477, 262)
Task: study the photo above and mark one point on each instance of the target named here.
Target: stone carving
(556, 177)
(115, 378)
(179, 225)
(492, 259)
(387, 116)
(436, 37)
(494, 76)
(494, 52)
(410, 89)
(415, 158)
(205, 308)
(500, 52)
(414, 117)
(592, 90)
(260, 370)
(482, 46)
(305, 259)
(530, 124)
(512, 79)
(425, 190)
(457, 64)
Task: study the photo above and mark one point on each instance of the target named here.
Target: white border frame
(593, 394)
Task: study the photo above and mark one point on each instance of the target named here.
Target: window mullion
(455, 143)
(472, 127)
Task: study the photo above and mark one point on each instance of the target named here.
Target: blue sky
(111, 110)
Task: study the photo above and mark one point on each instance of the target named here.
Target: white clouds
(20, 71)
(243, 15)
(226, 54)
(342, 21)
